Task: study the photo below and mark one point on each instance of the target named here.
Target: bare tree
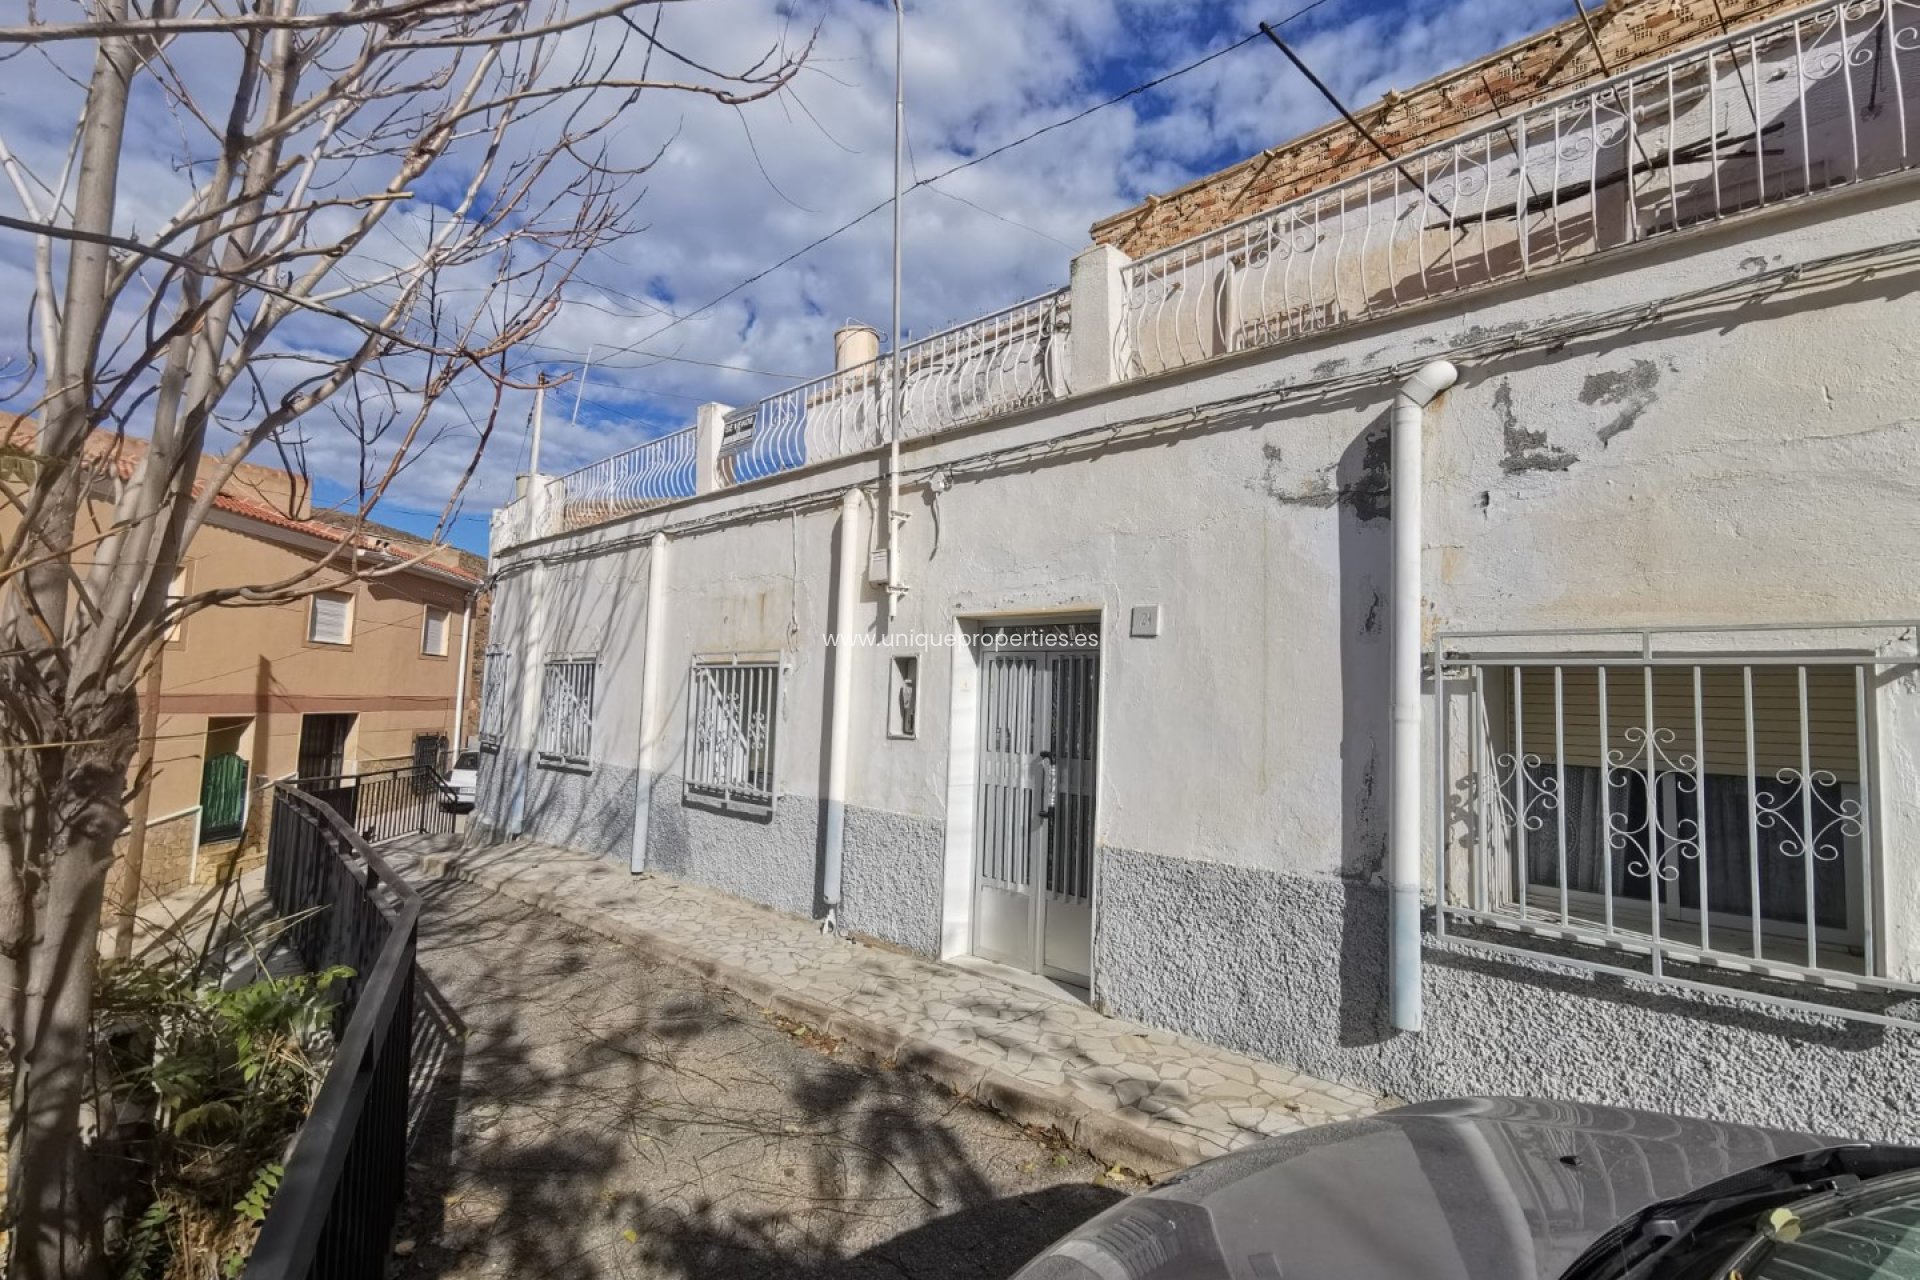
(377, 201)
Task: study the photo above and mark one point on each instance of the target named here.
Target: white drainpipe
(649, 697)
(1403, 856)
(851, 566)
(457, 737)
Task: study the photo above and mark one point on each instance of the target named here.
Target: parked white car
(463, 782)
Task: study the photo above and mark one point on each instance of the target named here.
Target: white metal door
(1033, 897)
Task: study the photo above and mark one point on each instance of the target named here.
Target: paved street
(1144, 1097)
(596, 1114)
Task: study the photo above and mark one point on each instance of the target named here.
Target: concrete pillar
(653, 635)
(709, 420)
(538, 510)
(547, 499)
(503, 531)
(1099, 301)
(526, 729)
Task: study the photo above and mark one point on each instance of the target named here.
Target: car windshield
(1872, 1242)
(467, 760)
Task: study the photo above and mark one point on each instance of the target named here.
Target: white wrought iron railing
(655, 471)
(733, 716)
(566, 710)
(1000, 363)
(1818, 98)
(509, 525)
(997, 364)
(496, 677)
(828, 417)
(1707, 798)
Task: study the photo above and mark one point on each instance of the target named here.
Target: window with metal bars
(733, 710)
(566, 711)
(1704, 805)
(493, 698)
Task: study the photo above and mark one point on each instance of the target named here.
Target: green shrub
(226, 1076)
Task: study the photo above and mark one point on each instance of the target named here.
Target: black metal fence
(334, 1212)
(388, 804)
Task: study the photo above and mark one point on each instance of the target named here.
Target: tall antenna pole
(898, 387)
(539, 421)
(580, 391)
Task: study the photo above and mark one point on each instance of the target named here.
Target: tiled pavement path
(1132, 1095)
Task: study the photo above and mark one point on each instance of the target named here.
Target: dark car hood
(1477, 1189)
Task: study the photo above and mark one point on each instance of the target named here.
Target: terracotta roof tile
(122, 454)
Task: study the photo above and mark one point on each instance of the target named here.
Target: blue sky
(740, 189)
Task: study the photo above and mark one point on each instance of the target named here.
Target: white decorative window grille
(433, 633)
(494, 672)
(1695, 805)
(566, 711)
(330, 618)
(732, 716)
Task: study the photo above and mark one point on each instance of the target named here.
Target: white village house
(1452, 630)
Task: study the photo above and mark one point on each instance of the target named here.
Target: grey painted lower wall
(587, 810)
(891, 878)
(493, 795)
(770, 860)
(1292, 968)
(890, 881)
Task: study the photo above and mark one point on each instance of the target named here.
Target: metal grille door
(1033, 901)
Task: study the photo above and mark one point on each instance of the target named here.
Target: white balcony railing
(996, 364)
(657, 471)
(1001, 363)
(829, 417)
(1817, 98)
(1709, 799)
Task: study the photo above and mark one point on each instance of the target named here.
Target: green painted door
(223, 798)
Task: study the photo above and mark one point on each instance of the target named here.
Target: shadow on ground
(591, 1114)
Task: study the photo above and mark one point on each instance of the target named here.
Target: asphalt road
(591, 1114)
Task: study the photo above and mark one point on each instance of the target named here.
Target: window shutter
(1832, 732)
(332, 617)
(435, 640)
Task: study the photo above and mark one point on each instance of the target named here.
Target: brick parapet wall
(1556, 61)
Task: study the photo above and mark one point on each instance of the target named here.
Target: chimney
(855, 345)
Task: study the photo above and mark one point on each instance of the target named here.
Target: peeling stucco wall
(1745, 463)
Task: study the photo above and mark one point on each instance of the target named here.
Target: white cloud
(737, 190)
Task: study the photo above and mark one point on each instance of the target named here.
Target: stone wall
(165, 866)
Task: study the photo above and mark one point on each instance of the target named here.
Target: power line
(708, 364)
(1012, 222)
(969, 163)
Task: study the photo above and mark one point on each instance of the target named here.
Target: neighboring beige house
(371, 676)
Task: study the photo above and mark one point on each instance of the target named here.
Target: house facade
(1452, 630)
(370, 676)
(365, 678)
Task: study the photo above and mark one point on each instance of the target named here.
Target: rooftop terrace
(1819, 98)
